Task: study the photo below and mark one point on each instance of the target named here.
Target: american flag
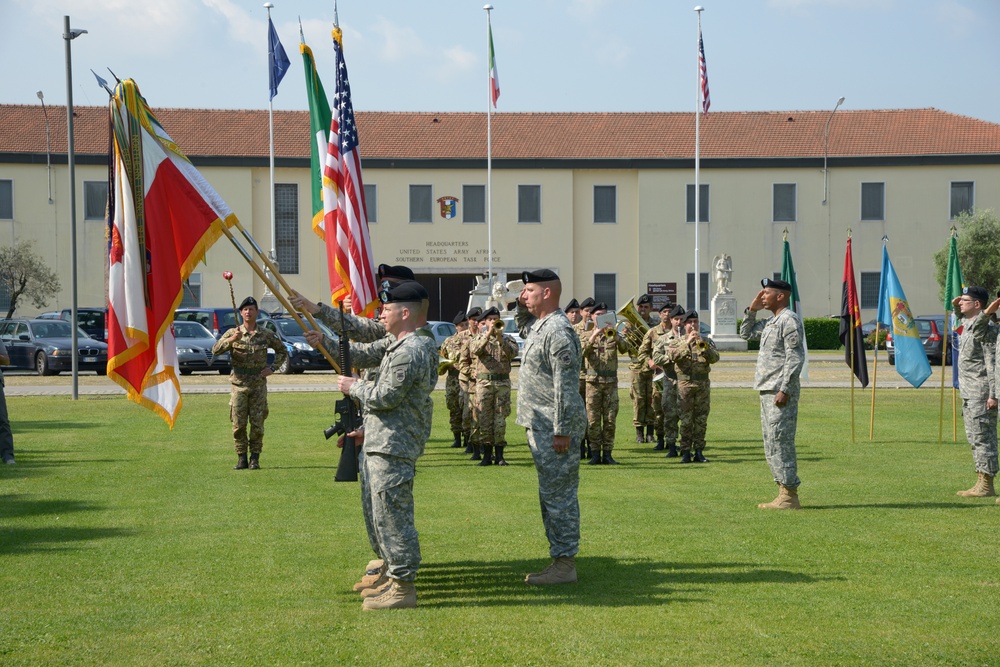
(348, 246)
(706, 100)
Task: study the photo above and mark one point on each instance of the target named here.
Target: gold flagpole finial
(784, 234)
(849, 232)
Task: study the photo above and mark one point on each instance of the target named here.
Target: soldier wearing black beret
(455, 397)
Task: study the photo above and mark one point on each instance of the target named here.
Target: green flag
(319, 125)
(953, 278)
(788, 275)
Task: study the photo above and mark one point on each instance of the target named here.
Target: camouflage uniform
(976, 381)
(470, 420)
(581, 331)
(248, 398)
(601, 354)
(779, 363)
(398, 411)
(549, 404)
(6, 435)
(455, 396)
(694, 388)
(645, 354)
(492, 372)
(669, 403)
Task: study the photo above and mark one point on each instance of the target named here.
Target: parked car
(301, 355)
(194, 349)
(933, 332)
(217, 320)
(441, 330)
(510, 329)
(868, 327)
(46, 346)
(92, 320)
(50, 315)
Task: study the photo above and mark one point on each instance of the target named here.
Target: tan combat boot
(371, 576)
(983, 488)
(788, 499)
(374, 564)
(399, 595)
(561, 571)
(377, 587)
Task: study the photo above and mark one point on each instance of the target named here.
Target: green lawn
(124, 543)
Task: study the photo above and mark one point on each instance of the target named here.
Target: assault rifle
(348, 416)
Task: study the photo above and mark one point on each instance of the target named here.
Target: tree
(24, 274)
(978, 250)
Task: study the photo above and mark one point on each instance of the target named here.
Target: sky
(570, 55)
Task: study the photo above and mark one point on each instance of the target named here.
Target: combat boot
(650, 434)
(468, 444)
(659, 444)
(476, 453)
(371, 576)
(458, 440)
(640, 436)
(487, 456)
(583, 449)
(377, 587)
(672, 450)
(983, 487)
(499, 459)
(699, 457)
(686, 456)
(241, 462)
(607, 460)
(561, 571)
(788, 499)
(399, 595)
(255, 461)
(374, 564)
(595, 458)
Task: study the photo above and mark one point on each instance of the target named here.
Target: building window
(702, 291)
(873, 201)
(702, 202)
(474, 203)
(606, 289)
(869, 288)
(784, 202)
(95, 199)
(529, 203)
(6, 200)
(286, 226)
(191, 292)
(605, 204)
(420, 203)
(961, 198)
(371, 202)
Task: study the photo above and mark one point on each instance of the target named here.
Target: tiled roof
(420, 135)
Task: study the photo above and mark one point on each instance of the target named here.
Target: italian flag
(494, 76)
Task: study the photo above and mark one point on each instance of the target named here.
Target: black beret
(490, 311)
(588, 302)
(691, 315)
(599, 306)
(475, 312)
(408, 291)
(776, 284)
(397, 272)
(539, 276)
(642, 300)
(667, 306)
(460, 317)
(978, 293)
(249, 301)
(676, 311)
(574, 304)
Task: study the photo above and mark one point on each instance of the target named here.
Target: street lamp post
(69, 34)
(48, 144)
(826, 150)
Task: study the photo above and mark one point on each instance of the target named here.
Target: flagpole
(944, 343)
(871, 419)
(489, 151)
(697, 171)
(851, 349)
(270, 134)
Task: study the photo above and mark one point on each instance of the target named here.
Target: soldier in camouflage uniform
(671, 412)
(455, 397)
(465, 380)
(398, 411)
(642, 382)
(470, 422)
(582, 329)
(977, 385)
(573, 313)
(601, 348)
(646, 357)
(693, 357)
(779, 364)
(550, 408)
(247, 346)
(493, 353)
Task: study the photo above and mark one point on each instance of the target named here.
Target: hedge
(822, 333)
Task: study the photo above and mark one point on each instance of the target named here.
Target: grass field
(124, 543)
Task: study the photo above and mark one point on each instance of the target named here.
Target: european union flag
(894, 312)
(277, 59)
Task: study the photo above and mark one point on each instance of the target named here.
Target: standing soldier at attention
(455, 397)
(977, 384)
(573, 312)
(693, 357)
(646, 357)
(492, 352)
(466, 367)
(601, 348)
(779, 364)
(642, 382)
(582, 329)
(669, 401)
(247, 346)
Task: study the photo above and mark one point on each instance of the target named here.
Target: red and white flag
(345, 218)
(494, 75)
(706, 100)
(162, 217)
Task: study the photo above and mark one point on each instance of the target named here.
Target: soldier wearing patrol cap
(247, 346)
(454, 396)
(779, 364)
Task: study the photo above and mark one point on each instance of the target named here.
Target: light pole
(829, 215)
(826, 150)
(69, 34)
(48, 145)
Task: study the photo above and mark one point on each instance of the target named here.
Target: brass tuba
(636, 329)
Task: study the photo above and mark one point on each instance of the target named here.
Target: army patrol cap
(491, 311)
(978, 293)
(676, 311)
(572, 305)
(249, 301)
(539, 276)
(475, 313)
(588, 302)
(408, 291)
(776, 284)
(643, 300)
(461, 317)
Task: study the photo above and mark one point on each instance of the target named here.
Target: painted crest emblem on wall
(449, 207)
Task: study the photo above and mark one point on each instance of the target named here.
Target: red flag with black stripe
(850, 322)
